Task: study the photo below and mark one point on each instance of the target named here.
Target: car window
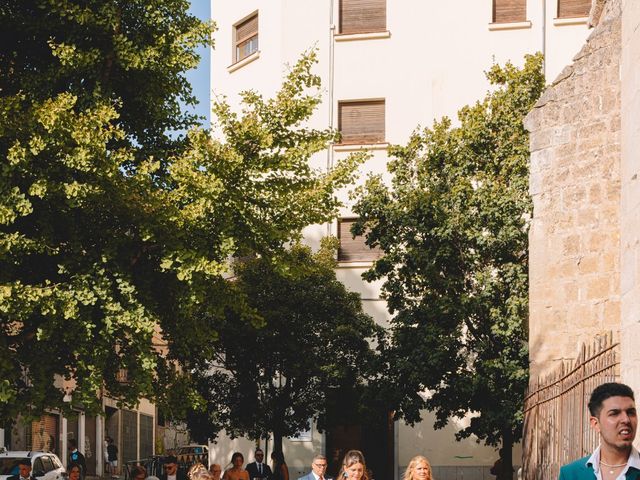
(47, 463)
(197, 450)
(38, 468)
(56, 462)
(8, 466)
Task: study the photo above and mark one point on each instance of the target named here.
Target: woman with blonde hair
(199, 472)
(353, 466)
(419, 468)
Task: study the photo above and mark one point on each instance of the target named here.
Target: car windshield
(9, 466)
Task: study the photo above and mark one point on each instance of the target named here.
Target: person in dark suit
(259, 469)
(76, 457)
(24, 470)
(170, 471)
(613, 415)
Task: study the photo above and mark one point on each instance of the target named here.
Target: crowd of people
(612, 414)
(353, 467)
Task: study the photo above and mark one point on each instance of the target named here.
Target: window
(47, 463)
(245, 37)
(363, 16)
(354, 249)
(38, 468)
(573, 8)
(361, 122)
(509, 11)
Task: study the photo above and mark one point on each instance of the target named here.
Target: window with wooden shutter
(363, 16)
(573, 8)
(245, 36)
(361, 122)
(354, 249)
(509, 11)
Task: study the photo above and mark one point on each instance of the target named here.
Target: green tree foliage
(112, 231)
(305, 344)
(453, 226)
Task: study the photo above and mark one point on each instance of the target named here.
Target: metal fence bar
(556, 424)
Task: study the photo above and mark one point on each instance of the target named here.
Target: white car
(44, 465)
(192, 453)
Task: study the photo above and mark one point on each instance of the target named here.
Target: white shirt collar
(633, 461)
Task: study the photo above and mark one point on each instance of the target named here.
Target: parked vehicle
(44, 465)
(192, 453)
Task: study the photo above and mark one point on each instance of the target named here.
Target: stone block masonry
(576, 190)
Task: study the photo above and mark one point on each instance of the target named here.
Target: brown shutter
(573, 8)
(247, 29)
(361, 122)
(507, 11)
(354, 249)
(363, 16)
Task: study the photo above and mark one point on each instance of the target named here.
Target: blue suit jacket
(579, 470)
(309, 476)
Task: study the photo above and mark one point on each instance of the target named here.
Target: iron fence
(556, 421)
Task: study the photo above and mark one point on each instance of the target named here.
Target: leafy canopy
(112, 231)
(275, 369)
(453, 225)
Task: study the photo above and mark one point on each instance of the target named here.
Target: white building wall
(431, 63)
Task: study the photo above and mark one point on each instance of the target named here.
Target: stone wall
(630, 194)
(575, 186)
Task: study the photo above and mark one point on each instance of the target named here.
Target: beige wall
(298, 454)
(574, 240)
(630, 193)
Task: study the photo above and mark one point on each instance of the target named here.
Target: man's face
(319, 467)
(616, 423)
(259, 456)
(171, 468)
(25, 470)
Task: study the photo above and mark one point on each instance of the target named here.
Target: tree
(275, 370)
(113, 231)
(453, 228)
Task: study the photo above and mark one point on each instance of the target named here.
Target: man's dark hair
(170, 459)
(72, 443)
(607, 390)
(25, 461)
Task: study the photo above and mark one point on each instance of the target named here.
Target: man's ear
(595, 424)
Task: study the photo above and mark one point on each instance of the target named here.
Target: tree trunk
(277, 441)
(506, 452)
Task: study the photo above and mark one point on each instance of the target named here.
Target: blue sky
(199, 77)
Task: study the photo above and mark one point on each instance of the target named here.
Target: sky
(199, 77)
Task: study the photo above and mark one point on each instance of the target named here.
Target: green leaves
(291, 334)
(115, 235)
(453, 226)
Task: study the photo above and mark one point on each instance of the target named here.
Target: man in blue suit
(613, 415)
(318, 469)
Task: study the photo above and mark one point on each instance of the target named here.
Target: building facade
(133, 431)
(387, 67)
